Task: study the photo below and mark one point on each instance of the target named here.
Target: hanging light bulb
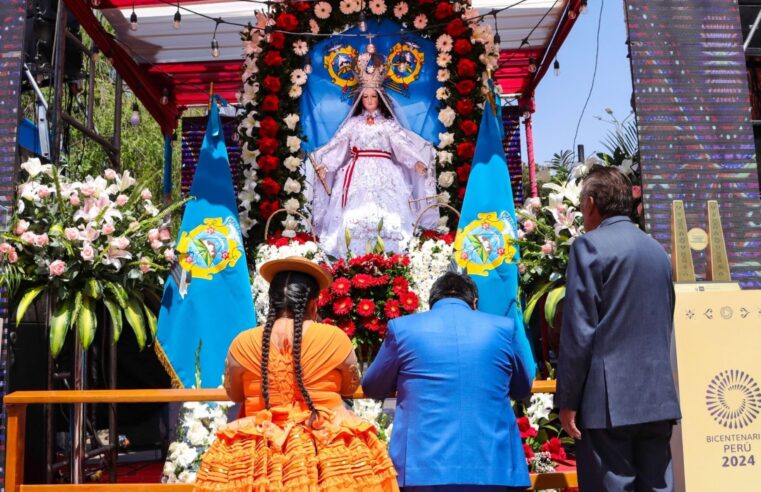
(133, 19)
(497, 38)
(531, 64)
(177, 17)
(583, 7)
(164, 96)
(134, 120)
(214, 42)
(556, 67)
(362, 22)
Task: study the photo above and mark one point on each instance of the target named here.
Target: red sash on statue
(357, 153)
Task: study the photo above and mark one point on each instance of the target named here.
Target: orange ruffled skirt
(278, 451)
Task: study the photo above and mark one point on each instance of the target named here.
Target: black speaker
(40, 37)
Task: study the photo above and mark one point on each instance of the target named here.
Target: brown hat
(296, 264)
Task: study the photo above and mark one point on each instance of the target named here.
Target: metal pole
(530, 156)
(59, 53)
(119, 89)
(167, 169)
(78, 419)
(91, 92)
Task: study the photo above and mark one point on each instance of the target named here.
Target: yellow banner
(717, 446)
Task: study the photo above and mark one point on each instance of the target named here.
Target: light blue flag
(207, 298)
(484, 246)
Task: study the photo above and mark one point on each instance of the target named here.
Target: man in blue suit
(454, 370)
(615, 380)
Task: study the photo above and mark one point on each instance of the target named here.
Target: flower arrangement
(540, 431)
(100, 240)
(366, 293)
(198, 426)
(430, 258)
(372, 411)
(275, 71)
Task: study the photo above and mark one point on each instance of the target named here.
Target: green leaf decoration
(93, 289)
(478, 247)
(150, 318)
(551, 305)
(203, 251)
(115, 311)
(76, 307)
(26, 300)
(59, 326)
(531, 304)
(134, 314)
(119, 293)
(87, 322)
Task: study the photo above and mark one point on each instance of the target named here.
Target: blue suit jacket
(615, 364)
(454, 370)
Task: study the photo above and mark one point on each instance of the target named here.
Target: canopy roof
(156, 58)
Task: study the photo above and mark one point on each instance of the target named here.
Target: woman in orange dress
(295, 434)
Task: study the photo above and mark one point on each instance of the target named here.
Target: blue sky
(560, 99)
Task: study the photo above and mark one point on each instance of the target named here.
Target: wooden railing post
(14, 471)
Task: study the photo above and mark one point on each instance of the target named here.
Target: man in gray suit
(615, 385)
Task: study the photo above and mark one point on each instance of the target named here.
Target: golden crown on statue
(371, 70)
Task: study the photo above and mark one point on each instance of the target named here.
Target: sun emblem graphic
(733, 398)
(210, 248)
(339, 62)
(485, 244)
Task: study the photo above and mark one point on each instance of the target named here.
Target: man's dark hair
(610, 189)
(454, 285)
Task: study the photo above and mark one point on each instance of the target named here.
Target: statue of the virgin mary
(380, 174)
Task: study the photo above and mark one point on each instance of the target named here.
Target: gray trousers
(631, 458)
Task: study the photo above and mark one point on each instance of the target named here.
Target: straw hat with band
(296, 264)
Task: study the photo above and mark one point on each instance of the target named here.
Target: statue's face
(370, 100)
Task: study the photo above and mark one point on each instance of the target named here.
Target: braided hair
(289, 294)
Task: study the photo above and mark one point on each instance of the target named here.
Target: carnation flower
(445, 157)
(446, 179)
(378, 7)
(347, 6)
(300, 47)
(299, 77)
(445, 140)
(341, 286)
(291, 186)
(365, 308)
(362, 281)
(442, 93)
(401, 9)
(342, 305)
(294, 92)
(447, 116)
(322, 10)
(443, 60)
(420, 21)
(444, 43)
(291, 205)
(292, 163)
(392, 309)
(442, 75)
(349, 328)
(293, 143)
(409, 301)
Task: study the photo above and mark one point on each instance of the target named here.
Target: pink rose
(156, 245)
(43, 192)
(5, 248)
(28, 237)
(71, 233)
(169, 254)
(12, 256)
(548, 247)
(145, 266)
(146, 194)
(21, 227)
(521, 268)
(41, 240)
(153, 235)
(74, 199)
(121, 200)
(109, 174)
(57, 268)
(120, 242)
(88, 189)
(88, 253)
(529, 226)
(108, 228)
(636, 192)
(164, 235)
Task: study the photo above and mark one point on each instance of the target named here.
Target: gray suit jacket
(614, 366)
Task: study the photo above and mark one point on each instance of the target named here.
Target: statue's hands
(322, 171)
(420, 168)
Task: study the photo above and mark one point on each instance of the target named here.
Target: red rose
(466, 68)
(362, 281)
(268, 127)
(271, 103)
(528, 451)
(400, 285)
(302, 6)
(448, 237)
(277, 40)
(280, 242)
(341, 286)
(272, 58)
(267, 208)
(463, 172)
(324, 298)
(269, 186)
(456, 28)
(462, 47)
(555, 447)
(465, 87)
(268, 145)
(392, 309)
(286, 22)
(365, 308)
(464, 107)
(342, 305)
(409, 301)
(524, 427)
(465, 150)
(268, 163)
(349, 328)
(272, 83)
(443, 11)
(469, 127)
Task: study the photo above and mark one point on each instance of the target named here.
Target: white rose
(445, 140)
(291, 120)
(446, 179)
(292, 163)
(291, 205)
(169, 468)
(187, 457)
(443, 197)
(293, 143)
(445, 157)
(291, 186)
(442, 93)
(290, 223)
(447, 116)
